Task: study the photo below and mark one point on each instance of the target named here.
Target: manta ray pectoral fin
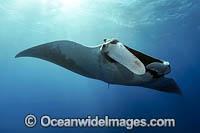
(62, 53)
(50, 52)
(163, 84)
(45, 51)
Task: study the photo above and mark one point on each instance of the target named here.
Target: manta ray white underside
(111, 62)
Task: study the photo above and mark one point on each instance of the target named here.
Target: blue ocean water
(166, 29)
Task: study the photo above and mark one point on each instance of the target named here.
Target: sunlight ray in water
(63, 5)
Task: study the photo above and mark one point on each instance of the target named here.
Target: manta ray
(111, 62)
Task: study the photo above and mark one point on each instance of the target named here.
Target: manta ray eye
(114, 41)
(104, 46)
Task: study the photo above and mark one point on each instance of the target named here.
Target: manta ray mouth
(148, 61)
(145, 59)
(157, 68)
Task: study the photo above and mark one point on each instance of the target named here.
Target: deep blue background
(169, 30)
